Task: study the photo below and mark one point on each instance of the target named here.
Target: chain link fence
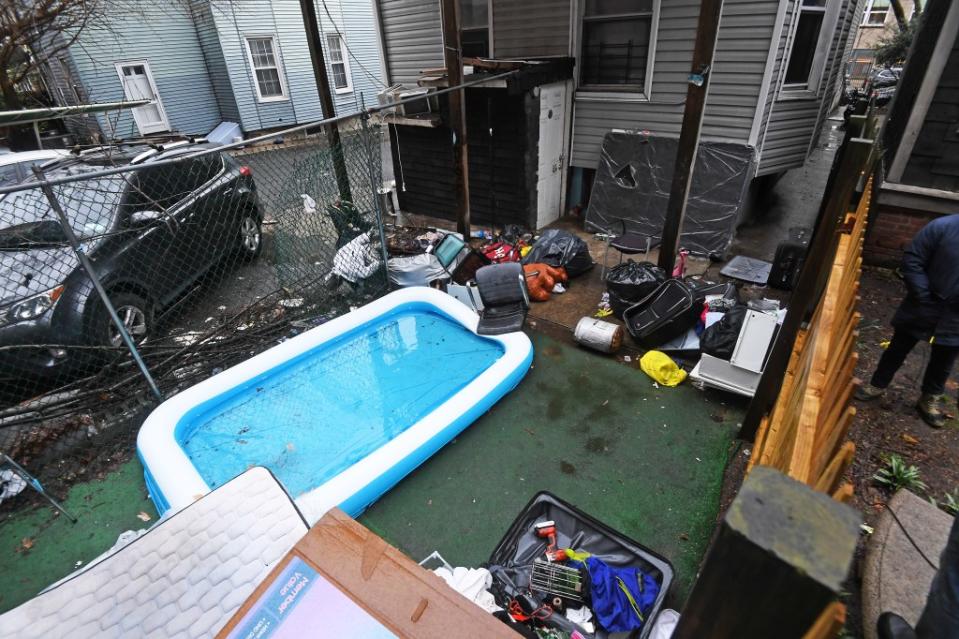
(205, 255)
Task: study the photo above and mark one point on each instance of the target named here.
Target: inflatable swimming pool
(340, 413)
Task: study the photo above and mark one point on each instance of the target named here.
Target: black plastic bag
(719, 340)
(561, 248)
(634, 280)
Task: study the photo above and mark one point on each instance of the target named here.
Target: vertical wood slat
(829, 624)
(804, 432)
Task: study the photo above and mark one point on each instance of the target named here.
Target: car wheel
(136, 315)
(250, 236)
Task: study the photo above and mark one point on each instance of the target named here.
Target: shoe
(892, 626)
(868, 392)
(930, 409)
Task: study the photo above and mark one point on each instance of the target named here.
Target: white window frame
(810, 88)
(345, 54)
(488, 26)
(607, 92)
(281, 73)
(868, 10)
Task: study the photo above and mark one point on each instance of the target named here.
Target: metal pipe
(375, 191)
(88, 267)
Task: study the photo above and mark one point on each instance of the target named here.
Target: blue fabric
(610, 604)
(930, 268)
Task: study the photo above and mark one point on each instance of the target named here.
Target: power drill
(547, 530)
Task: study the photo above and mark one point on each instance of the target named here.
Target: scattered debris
(142, 516)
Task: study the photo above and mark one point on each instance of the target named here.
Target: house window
(875, 13)
(474, 28)
(266, 67)
(805, 52)
(68, 79)
(339, 66)
(616, 43)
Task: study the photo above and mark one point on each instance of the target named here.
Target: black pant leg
(892, 359)
(941, 361)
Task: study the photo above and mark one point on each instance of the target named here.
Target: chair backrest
(501, 284)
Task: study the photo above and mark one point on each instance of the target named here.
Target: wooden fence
(804, 435)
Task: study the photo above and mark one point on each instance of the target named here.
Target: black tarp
(633, 181)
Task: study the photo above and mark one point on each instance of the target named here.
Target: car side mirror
(145, 218)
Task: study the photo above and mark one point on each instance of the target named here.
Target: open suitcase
(668, 312)
(514, 554)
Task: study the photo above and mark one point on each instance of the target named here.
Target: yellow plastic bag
(661, 368)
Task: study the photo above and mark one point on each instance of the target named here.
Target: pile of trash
(559, 573)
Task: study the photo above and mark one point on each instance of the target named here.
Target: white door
(552, 157)
(138, 85)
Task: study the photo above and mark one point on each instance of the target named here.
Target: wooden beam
(453, 58)
(696, 90)
(315, 45)
(779, 559)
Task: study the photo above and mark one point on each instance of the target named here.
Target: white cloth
(356, 260)
(581, 617)
(472, 583)
(665, 624)
(10, 484)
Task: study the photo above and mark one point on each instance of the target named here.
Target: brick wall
(890, 229)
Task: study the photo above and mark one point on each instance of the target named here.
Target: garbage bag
(719, 340)
(630, 282)
(634, 280)
(561, 248)
(661, 368)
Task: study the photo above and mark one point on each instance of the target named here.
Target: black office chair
(629, 244)
(502, 287)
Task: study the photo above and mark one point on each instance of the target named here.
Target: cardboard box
(342, 580)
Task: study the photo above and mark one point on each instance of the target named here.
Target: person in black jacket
(930, 312)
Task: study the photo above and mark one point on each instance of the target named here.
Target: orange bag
(540, 279)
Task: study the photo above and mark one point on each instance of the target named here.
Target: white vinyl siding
(265, 63)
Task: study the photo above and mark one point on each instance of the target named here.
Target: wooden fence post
(779, 561)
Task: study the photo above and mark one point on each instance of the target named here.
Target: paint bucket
(605, 337)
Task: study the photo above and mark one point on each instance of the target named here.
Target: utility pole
(703, 50)
(453, 58)
(326, 98)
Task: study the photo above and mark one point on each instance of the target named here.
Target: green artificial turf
(647, 461)
(39, 546)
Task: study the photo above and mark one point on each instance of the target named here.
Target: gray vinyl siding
(64, 86)
(934, 161)
(282, 19)
(745, 36)
(793, 124)
(412, 38)
(513, 36)
(215, 63)
(162, 33)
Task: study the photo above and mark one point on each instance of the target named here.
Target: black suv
(151, 233)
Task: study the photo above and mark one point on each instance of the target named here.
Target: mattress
(184, 578)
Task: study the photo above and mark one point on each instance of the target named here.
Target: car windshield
(27, 221)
